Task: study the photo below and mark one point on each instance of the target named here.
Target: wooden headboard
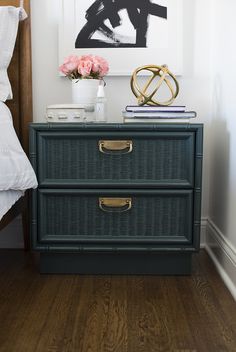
(20, 75)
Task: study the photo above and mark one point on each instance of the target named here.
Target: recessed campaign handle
(115, 204)
(108, 147)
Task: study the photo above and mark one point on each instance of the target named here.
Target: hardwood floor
(120, 313)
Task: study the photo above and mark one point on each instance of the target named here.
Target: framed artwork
(127, 33)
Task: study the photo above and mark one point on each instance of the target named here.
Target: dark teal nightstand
(116, 198)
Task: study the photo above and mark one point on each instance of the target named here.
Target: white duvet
(16, 172)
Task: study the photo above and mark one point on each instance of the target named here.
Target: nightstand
(116, 198)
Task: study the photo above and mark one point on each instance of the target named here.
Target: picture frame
(164, 40)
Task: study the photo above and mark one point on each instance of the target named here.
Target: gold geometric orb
(160, 73)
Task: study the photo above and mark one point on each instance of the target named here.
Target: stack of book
(146, 113)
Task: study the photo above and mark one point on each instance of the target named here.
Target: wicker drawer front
(102, 216)
(71, 159)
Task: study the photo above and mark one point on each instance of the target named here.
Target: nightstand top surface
(117, 126)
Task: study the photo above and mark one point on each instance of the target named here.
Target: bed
(20, 76)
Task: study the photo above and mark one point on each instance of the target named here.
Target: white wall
(223, 129)
(221, 230)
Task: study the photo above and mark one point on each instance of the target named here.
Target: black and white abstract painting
(128, 33)
(117, 23)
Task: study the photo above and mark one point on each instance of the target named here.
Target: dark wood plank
(25, 81)
(66, 313)
(115, 336)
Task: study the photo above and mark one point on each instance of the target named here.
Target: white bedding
(9, 20)
(16, 172)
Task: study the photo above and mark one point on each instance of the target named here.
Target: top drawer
(113, 159)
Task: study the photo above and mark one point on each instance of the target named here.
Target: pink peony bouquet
(84, 67)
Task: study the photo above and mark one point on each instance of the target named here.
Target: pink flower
(70, 64)
(100, 65)
(85, 66)
(63, 69)
(96, 65)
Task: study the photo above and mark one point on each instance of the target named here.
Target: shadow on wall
(219, 162)
(11, 237)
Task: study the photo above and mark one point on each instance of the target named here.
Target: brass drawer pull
(115, 204)
(107, 147)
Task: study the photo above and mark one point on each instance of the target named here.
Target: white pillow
(9, 20)
(16, 172)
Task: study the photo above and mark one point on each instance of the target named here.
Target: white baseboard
(223, 255)
(203, 232)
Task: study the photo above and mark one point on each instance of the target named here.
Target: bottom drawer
(104, 217)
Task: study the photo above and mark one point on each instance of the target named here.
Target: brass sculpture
(157, 71)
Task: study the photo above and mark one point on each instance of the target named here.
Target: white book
(159, 115)
(127, 120)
